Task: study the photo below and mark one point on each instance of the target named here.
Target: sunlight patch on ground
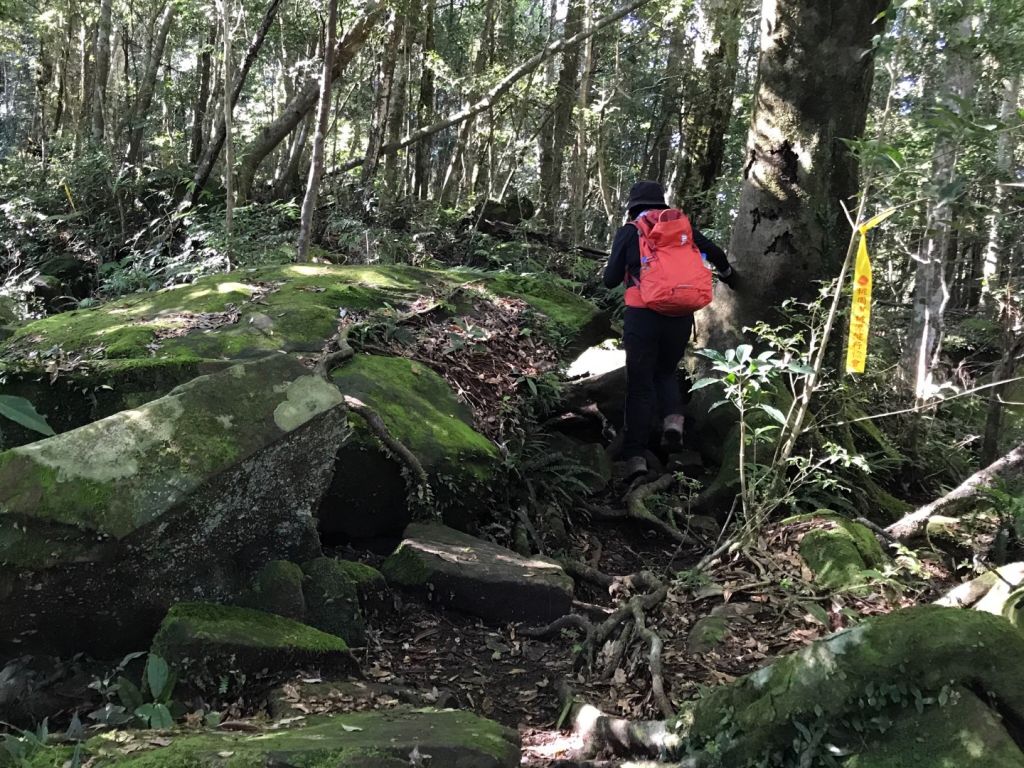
(607, 356)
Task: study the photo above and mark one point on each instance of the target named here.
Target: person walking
(654, 341)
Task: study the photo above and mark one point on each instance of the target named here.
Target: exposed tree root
(962, 498)
(637, 509)
(393, 446)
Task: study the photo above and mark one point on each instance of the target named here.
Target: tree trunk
(269, 136)
(706, 142)
(931, 289)
(995, 249)
(202, 98)
(228, 105)
(668, 104)
(425, 106)
(220, 133)
(383, 96)
(316, 162)
(815, 74)
(101, 70)
(552, 155)
(148, 85)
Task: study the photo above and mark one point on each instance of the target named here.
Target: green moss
(548, 295)
(841, 552)
(278, 590)
(352, 739)
(854, 674)
(332, 598)
(202, 623)
(963, 733)
(405, 569)
(420, 410)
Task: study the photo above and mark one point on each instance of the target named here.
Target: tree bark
(668, 104)
(1009, 468)
(425, 106)
(552, 155)
(101, 70)
(202, 98)
(996, 246)
(316, 163)
(931, 288)
(815, 75)
(270, 135)
(228, 105)
(148, 84)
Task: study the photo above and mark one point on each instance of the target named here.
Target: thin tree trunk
(289, 183)
(931, 289)
(668, 111)
(220, 133)
(101, 70)
(148, 85)
(228, 105)
(316, 163)
(383, 97)
(502, 87)
(996, 247)
(270, 135)
(202, 98)
(552, 156)
(425, 106)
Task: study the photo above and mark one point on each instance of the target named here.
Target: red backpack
(673, 278)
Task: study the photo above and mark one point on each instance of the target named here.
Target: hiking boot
(635, 466)
(672, 430)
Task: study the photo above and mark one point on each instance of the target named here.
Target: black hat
(646, 193)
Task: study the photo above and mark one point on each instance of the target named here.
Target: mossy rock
(477, 577)
(841, 552)
(185, 497)
(452, 738)
(278, 590)
(131, 350)
(369, 496)
(340, 593)
(960, 733)
(205, 642)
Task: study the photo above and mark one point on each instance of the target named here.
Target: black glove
(732, 279)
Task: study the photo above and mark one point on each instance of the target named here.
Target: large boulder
(369, 496)
(186, 497)
(340, 595)
(399, 738)
(83, 365)
(477, 577)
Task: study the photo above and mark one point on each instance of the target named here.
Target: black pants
(654, 346)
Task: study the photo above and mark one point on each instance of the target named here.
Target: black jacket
(625, 256)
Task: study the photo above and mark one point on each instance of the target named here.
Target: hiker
(656, 340)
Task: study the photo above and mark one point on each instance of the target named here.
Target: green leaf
(701, 383)
(157, 675)
(743, 352)
(775, 413)
(129, 694)
(21, 411)
(161, 717)
(800, 368)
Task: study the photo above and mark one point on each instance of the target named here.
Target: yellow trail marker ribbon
(860, 312)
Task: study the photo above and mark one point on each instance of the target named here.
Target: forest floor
(755, 606)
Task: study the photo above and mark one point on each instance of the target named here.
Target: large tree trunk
(553, 146)
(815, 74)
(101, 71)
(270, 135)
(148, 85)
(316, 162)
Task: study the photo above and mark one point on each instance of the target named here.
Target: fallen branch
(963, 497)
